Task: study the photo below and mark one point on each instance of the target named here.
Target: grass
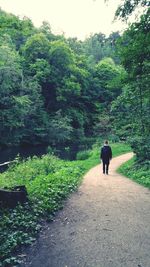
(49, 181)
(120, 149)
(93, 156)
(137, 172)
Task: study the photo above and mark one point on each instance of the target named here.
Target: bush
(137, 172)
(50, 150)
(86, 143)
(82, 155)
(113, 138)
(141, 147)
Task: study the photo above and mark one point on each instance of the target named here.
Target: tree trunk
(11, 198)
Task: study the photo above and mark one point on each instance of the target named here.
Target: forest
(64, 92)
(55, 91)
(69, 94)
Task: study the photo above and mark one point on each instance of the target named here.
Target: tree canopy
(60, 91)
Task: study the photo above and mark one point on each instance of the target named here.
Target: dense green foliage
(131, 110)
(53, 89)
(61, 92)
(136, 172)
(49, 181)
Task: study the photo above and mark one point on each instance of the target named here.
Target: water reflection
(9, 154)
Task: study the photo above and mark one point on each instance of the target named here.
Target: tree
(36, 47)
(22, 115)
(97, 47)
(108, 83)
(13, 102)
(128, 7)
(59, 129)
(109, 77)
(134, 53)
(75, 45)
(18, 30)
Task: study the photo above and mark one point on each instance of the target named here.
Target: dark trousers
(105, 166)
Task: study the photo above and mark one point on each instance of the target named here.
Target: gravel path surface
(105, 224)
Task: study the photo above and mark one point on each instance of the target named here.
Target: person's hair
(106, 142)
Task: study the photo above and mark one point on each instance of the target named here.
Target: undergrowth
(49, 181)
(137, 172)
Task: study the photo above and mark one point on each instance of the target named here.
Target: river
(9, 154)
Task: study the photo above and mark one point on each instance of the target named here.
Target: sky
(73, 18)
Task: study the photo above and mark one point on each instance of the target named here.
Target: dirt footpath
(105, 224)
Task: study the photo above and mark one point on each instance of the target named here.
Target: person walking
(106, 156)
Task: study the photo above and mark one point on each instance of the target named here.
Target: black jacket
(106, 153)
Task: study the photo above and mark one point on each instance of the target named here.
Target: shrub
(141, 146)
(82, 155)
(137, 172)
